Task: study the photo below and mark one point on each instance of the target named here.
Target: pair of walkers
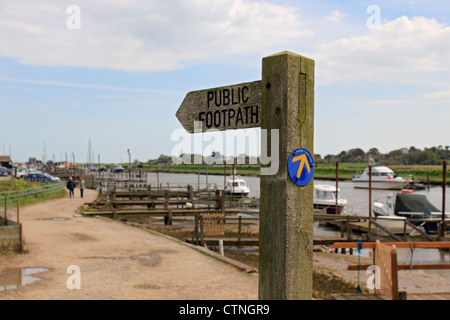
(71, 186)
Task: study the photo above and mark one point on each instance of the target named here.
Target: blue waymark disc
(301, 167)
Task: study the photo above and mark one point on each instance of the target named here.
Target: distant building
(5, 161)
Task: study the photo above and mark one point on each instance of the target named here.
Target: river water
(358, 204)
(358, 199)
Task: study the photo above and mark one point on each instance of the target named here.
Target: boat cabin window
(325, 194)
(236, 184)
(386, 174)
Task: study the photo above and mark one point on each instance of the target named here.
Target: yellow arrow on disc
(304, 161)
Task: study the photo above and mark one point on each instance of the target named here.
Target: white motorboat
(117, 169)
(325, 198)
(237, 187)
(409, 205)
(382, 178)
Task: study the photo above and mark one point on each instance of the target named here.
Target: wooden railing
(385, 258)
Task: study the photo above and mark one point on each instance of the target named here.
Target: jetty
(137, 201)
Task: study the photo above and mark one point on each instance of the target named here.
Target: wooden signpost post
(283, 101)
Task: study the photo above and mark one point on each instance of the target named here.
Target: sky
(115, 72)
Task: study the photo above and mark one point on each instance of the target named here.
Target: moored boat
(382, 177)
(410, 205)
(325, 198)
(117, 169)
(237, 187)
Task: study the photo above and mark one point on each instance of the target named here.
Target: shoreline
(316, 177)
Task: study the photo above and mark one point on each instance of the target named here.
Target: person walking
(71, 187)
(82, 185)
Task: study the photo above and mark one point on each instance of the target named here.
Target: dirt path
(116, 261)
(416, 281)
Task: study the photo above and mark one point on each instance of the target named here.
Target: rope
(358, 288)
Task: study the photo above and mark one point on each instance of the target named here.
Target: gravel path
(116, 261)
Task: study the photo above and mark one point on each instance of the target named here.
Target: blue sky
(120, 78)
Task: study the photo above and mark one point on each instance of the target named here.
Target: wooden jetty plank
(413, 296)
(328, 242)
(438, 266)
(419, 296)
(438, 296)
(339, 297)
(358, 224)
(229, 242)
(175, 211)
(249, 241)
(371, 245)
(357, 296)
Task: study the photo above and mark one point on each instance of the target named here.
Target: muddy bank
(330, 269)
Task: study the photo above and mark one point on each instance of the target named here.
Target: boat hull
(385, 185)
(330, 209)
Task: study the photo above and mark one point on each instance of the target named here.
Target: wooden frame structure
(385, 258)
(386, 261)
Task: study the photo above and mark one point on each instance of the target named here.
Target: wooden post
(5, 222)
(195, 234)
(224, 173)
(337, 186)
(444, 182)
(239, 231)
(370, 202)
(349, 230)
(21, 237)
(191, 193)
(286, 224)
(170, 217)
(166, 207)
(18, 206)
(202, 241)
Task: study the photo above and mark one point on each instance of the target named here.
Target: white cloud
(76, 85)
(444, 94)
(396, 50)
(144, 35)
(335, 16)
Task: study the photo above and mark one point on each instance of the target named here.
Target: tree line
(402, 156)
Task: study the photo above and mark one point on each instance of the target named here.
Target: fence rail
(31, 192)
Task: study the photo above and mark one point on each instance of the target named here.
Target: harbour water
(358, 204)
(358, 199)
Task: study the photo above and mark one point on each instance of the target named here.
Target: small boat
(382, 178)
(118, 169)
(325, 198)
(237, 187)
(410, 205)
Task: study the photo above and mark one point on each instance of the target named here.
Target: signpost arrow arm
(225, 108)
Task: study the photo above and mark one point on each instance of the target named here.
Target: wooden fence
(101, 180)
(10, 231)
(209, 227)
(386, 261)
(385, 258)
